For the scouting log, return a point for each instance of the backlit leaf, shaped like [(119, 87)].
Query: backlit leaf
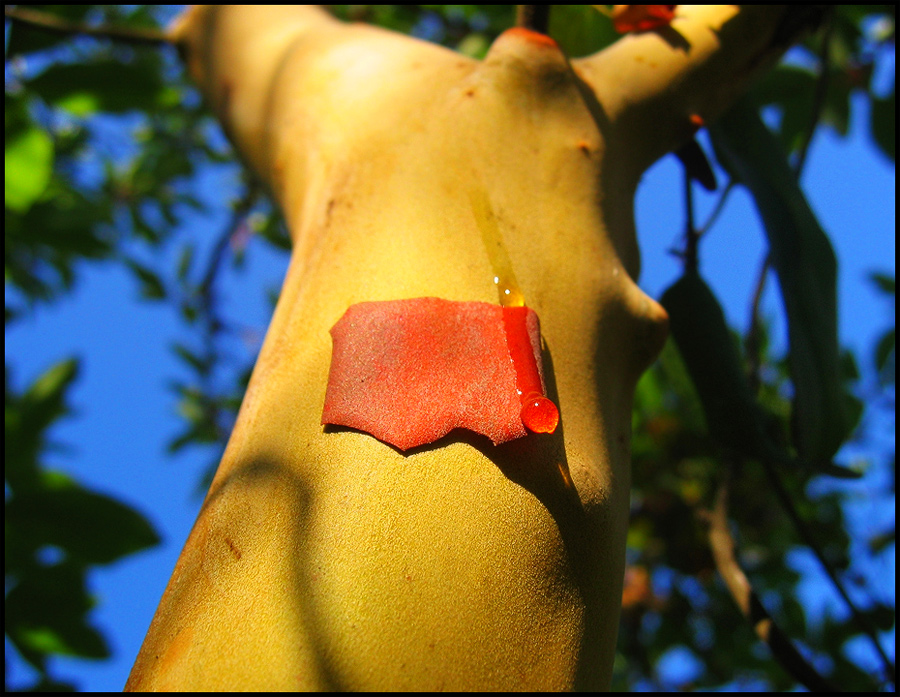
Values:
[(28, 164), (804, 261)]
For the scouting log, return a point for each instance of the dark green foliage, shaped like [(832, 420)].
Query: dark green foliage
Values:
[(55, 531), (801, 255), (710, 353), (78, 191)]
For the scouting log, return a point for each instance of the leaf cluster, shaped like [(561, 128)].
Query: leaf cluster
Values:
[(55, 532), (99, 144), (105, 143), (710, 412)]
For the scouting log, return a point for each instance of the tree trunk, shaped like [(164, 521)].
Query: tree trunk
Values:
[(325, 559)]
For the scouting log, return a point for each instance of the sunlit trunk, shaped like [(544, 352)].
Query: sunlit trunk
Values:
[(324, 558)]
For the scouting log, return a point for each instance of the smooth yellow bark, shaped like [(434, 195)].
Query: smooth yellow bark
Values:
[(329, 560)]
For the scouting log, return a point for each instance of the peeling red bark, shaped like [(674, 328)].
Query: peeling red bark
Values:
[(410, 371)]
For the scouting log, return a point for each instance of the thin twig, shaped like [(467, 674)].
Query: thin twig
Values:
[(534, 17), (783, 650), (810, 541), (717, 210), (695, 162), (58, 25), (241, 208), (692, 239), (208, 301)]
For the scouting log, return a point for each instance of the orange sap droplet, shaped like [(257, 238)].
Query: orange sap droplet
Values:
[(538, 414)]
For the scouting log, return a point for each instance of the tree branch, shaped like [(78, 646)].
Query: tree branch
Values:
[(697, 67), (718, 208), (534, 17), (783, 650), (692, 239), (809, 540), (54, 24)]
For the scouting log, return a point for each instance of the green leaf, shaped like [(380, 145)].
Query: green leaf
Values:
[(90, 528), (836, 109), (51, 385), (881, 541), (201, 431), (28, 416), (46, 613), (45, 399), (43, 244), (885, 356), (474, 45), (581, 30), (151, 285), (28, 166), (709, 352), (805, 263), (882, 616), (271, 228), (103, 85), (185, 260), (789, 88), (839, 472), (886, 284), (200, 364)]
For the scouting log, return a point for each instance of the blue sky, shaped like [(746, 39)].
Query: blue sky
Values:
[(124, 412)]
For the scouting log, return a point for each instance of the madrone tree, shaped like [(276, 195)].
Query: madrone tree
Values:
[(429, 557)]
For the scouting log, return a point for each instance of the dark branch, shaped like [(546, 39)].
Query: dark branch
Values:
[(783, 650), (534, 17), (692, 239), (718, 208), (58, 25), (803, 529)]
